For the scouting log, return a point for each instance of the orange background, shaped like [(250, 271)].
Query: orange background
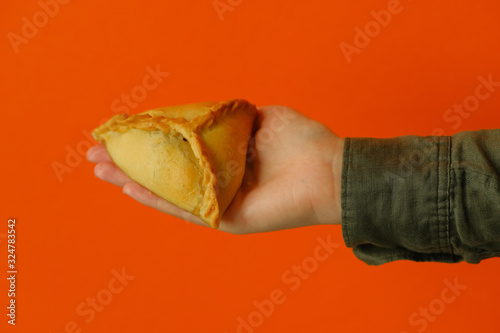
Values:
[(72, 232)]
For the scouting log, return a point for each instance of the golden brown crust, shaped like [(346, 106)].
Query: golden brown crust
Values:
[(205, 142)]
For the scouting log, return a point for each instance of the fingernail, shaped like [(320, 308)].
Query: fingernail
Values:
[(127, 189)]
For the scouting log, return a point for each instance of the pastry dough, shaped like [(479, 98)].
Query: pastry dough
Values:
[(191, 155)]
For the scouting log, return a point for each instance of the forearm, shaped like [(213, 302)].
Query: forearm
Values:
[(422, 198), (327, 197)]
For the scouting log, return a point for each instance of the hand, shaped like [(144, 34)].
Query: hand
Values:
[(292, 176)]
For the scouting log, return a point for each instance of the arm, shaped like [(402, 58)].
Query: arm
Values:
[(422, 198), (415, 198)]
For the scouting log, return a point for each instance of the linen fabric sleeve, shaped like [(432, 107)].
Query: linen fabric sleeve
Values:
[(434, 198)]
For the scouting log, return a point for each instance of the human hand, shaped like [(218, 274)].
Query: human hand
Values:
[(292, 176)]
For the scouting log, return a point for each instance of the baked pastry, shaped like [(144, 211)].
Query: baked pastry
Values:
[(191, 155)]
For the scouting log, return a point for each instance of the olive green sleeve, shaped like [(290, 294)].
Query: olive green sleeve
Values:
[(434, 198)]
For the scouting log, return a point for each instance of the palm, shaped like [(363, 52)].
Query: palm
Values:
[(288, 179)]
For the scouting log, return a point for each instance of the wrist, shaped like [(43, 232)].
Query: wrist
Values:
[(337, 165), (327, 206)]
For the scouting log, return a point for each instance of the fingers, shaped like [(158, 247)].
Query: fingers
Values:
[(110, 173), (105, 168), (147, 198), (98, 154)]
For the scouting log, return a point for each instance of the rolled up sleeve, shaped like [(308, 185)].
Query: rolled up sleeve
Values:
[(434, 198)]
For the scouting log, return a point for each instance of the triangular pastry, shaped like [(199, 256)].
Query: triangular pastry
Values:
[(191, 155)]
